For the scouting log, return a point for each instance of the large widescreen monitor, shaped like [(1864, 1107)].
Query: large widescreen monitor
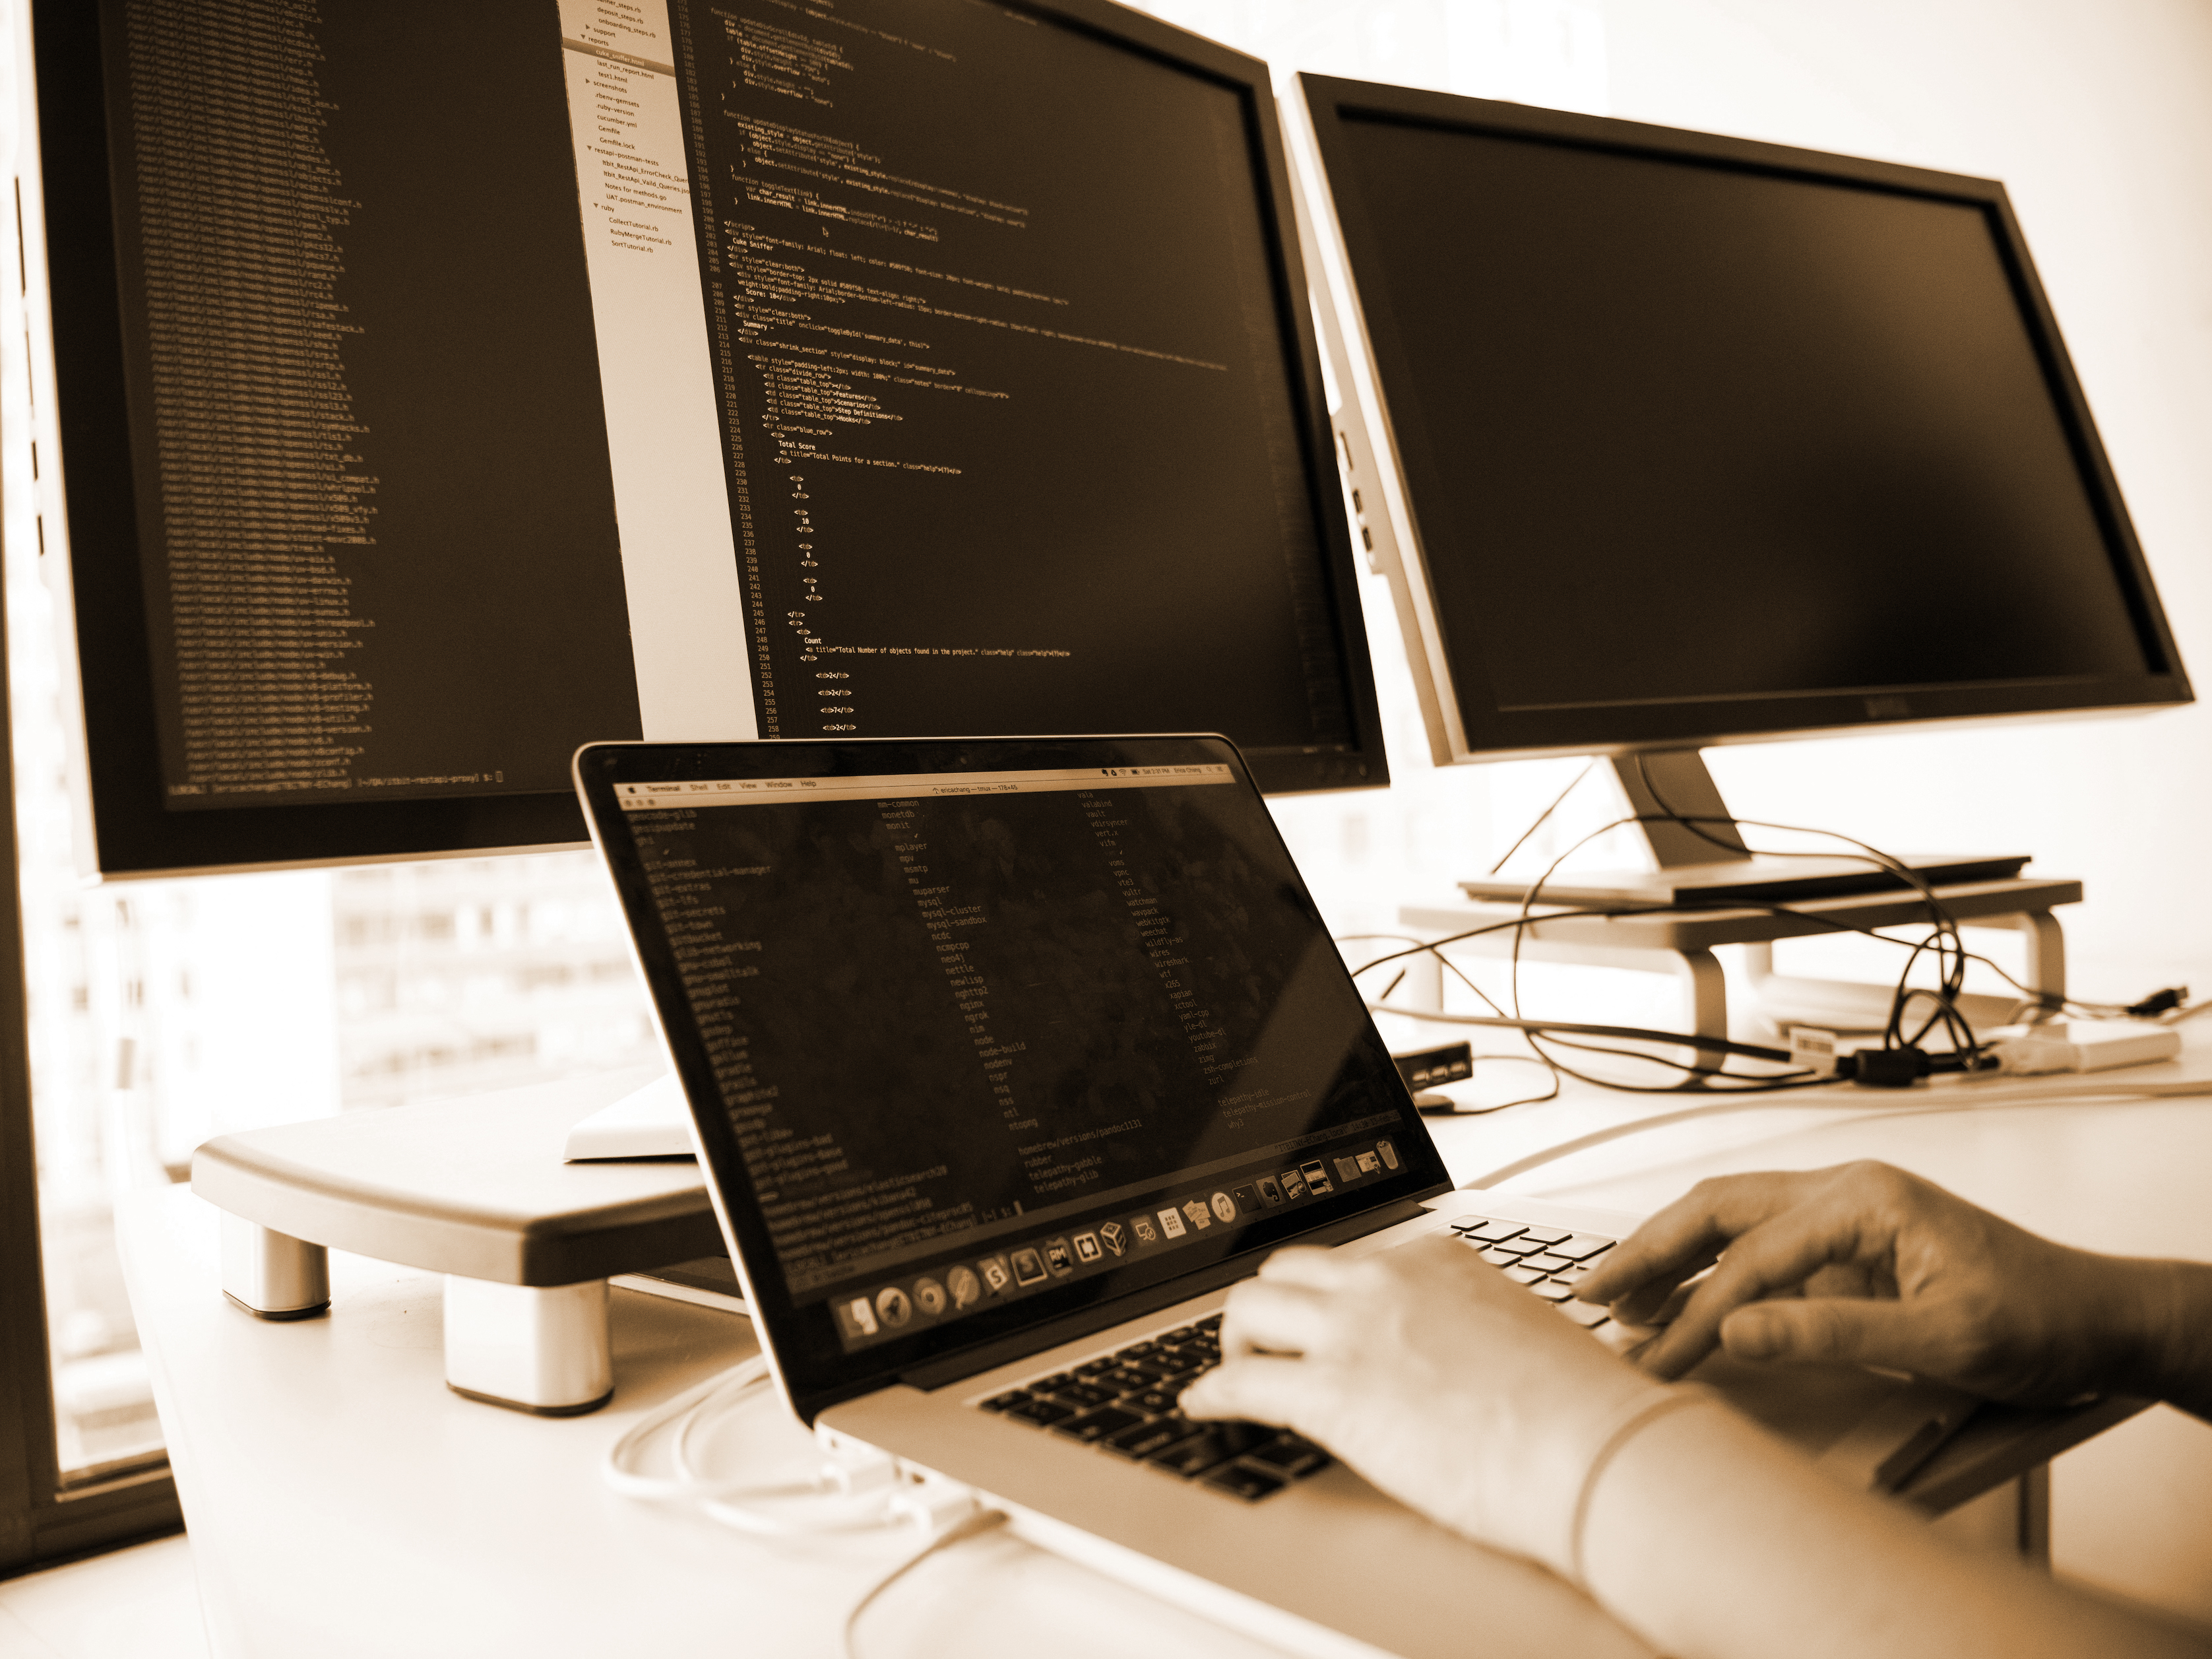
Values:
[(1686, 440), (424, 390)]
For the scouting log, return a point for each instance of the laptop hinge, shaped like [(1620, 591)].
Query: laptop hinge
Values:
[(958, 1368)]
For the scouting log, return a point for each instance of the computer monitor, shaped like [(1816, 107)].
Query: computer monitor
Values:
[(423, 391), (1680, 440)]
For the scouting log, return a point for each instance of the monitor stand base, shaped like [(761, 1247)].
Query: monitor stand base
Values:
[(1703, 863)]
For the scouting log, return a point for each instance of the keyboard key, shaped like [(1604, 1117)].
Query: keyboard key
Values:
[(1583, 1246), (1141, 1440), (1489, 1232), (1154, 1401), (1241, 1480), (1083, 1394), (1548, 1235), (1096, 1425), (1546, 1262), (1121, 1379), (1520, 1247), (1211, 1322), (1585, 1315), (1188, 1457), (1042, 1413), (1550, 1292), (1045, 1384), (1290, 1454), (1091, 1367), (1498, 1258), (1001, 1402), (1214, 1444), (1154, 1365), (1521, 1275)]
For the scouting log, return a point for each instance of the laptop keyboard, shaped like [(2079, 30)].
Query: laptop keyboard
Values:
[(1550, 1261), (1125, 1401)]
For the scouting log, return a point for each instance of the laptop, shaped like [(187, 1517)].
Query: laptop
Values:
[(1007, 1058)]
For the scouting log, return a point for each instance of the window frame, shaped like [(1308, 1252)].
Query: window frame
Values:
[(43, 1520)]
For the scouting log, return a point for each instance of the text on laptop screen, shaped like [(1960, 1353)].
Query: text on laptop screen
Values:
[(978, 1034)]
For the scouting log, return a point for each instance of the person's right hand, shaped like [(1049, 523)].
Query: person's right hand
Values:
[(1868, 1264)]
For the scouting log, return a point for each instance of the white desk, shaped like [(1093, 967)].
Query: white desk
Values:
[(342, 1501)]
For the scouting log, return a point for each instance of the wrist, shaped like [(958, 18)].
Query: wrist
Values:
[(2166, 1346), (1631, 1420)]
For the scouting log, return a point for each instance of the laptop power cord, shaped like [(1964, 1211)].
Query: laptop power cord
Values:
[(855, 1489)]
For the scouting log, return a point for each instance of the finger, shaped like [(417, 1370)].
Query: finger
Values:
[(1259, 1388), (1848, 1330), (1636, 1309), (1692, 1232), (1776, 1256), (1268, 1316), (1658, 1300)]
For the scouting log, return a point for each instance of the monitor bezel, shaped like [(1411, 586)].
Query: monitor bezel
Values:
[(89, 535), (1462, 717)]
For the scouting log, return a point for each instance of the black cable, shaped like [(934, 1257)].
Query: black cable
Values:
[(1951, 964), (1944, 942), (1543, 1031), (1543, 817), (1628, 1033), (1952, 972), (1536, 1060)]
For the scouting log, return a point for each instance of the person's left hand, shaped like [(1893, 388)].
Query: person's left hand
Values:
[(1432, 1374)]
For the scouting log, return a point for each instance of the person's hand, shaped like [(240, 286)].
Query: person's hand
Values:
[(1868, 1264), (1432, 1374)]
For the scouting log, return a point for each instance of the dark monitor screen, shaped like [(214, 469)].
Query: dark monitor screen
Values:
[(1703, 439), (441, 387)]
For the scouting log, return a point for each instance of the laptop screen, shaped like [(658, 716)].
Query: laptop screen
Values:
[(980, 1034)]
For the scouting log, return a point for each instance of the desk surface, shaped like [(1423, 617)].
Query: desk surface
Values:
[(342, 1501)]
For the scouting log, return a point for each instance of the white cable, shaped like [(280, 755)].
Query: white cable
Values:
[(1972, 1097), (860, 1492), (982, 1522), (618, 1467)]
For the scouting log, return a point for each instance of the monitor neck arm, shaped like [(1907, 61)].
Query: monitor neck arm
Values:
[(1662, 782)]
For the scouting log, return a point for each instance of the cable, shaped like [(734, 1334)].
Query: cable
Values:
[(1538, 1060), (1622, 1131), (982, 1522), (616, 1467), (2169, 1013), (1951, 972), (1943, 941), (862, 1494), (1543, 817), (1633, 1034), (1979, 1102)]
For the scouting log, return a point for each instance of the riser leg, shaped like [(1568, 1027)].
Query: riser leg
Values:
[(272, 1275), (542, 1350)]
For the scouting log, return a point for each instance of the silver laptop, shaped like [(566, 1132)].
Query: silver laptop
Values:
[(1007, 1058)]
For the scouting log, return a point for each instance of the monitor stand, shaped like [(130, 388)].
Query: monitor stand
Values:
[(1704, 864)]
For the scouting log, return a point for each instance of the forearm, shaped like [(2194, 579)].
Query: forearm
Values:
[(1713, 1540), (2170, 1311)]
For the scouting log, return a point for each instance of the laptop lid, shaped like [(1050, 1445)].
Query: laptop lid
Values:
[(982, 1035)]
